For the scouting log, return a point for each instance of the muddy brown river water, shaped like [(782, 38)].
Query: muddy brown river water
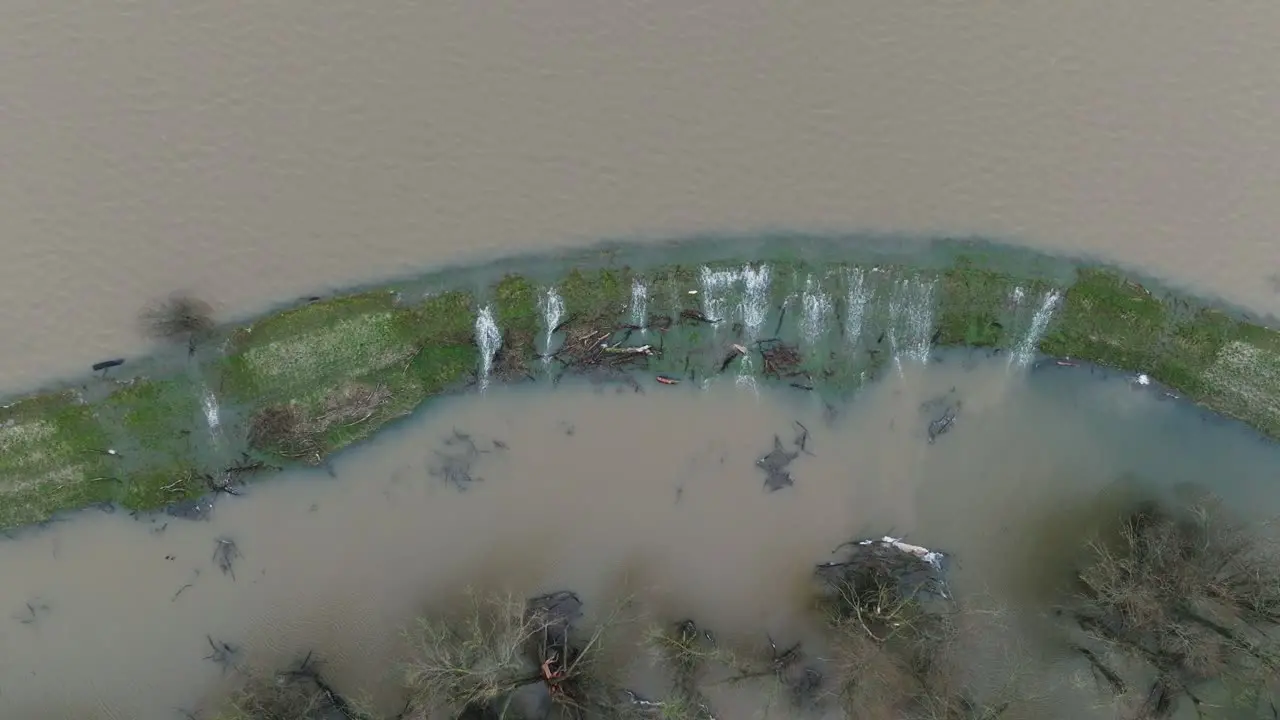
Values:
[(252, 155), (655, 495)]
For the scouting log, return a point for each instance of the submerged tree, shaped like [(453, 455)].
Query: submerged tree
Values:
[(1191, 595), (693, 658), (299, 694), (895, 640), (178, 318), (513, 659)]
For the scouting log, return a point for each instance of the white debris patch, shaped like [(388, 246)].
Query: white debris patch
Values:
[(1246, 379), (932, 557)]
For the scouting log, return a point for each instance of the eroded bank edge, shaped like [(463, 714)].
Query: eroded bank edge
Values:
[(297, 385)]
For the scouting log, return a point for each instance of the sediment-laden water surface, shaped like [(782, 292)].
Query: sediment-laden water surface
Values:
[(253, 154), (657, 494)]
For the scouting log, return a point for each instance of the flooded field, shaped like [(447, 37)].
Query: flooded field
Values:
[(658, 495)]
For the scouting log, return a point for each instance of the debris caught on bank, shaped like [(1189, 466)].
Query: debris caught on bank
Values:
[(780, 359), (874, 566), (735, 351), (596, 351), (299, 433), (696, 316)]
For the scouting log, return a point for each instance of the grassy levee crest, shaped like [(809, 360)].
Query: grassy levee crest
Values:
[(820, 315)]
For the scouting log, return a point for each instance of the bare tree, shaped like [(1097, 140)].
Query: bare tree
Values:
[(179, 318)]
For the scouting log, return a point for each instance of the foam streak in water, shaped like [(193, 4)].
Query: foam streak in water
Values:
[(489, 339), (1025, 351), (552, 312), (639, 305)]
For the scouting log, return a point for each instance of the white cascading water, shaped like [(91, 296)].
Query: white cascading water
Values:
[(1024, 352), (552, 306), (816, 310), (859, 296), (639, 315), (754, 309), (212, 416), (911, 320), (489, 339), (713, 289)]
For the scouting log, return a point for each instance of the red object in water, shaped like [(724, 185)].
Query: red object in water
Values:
[(667, 381)]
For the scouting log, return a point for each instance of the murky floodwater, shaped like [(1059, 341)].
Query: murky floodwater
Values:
[(252, 154), (603, 491)]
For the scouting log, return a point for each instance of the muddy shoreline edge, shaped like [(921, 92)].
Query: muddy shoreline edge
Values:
[(820, 315)]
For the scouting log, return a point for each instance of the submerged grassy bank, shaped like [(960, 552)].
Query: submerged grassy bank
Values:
[(299, 384)]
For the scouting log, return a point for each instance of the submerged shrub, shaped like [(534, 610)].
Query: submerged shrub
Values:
[(895, 641), (179, 317), (511, 658), (287, 696), (1188, 593)]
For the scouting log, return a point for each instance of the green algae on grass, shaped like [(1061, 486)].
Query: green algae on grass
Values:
[(1190, 348), (322, 376), (971, 306), (312, 379), (158, 488), (1244, 380), (515, 305), (1109, 320), (152, 413), (297, 350), (597, 296), (52, 459), (442, 330), (515, 309)]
